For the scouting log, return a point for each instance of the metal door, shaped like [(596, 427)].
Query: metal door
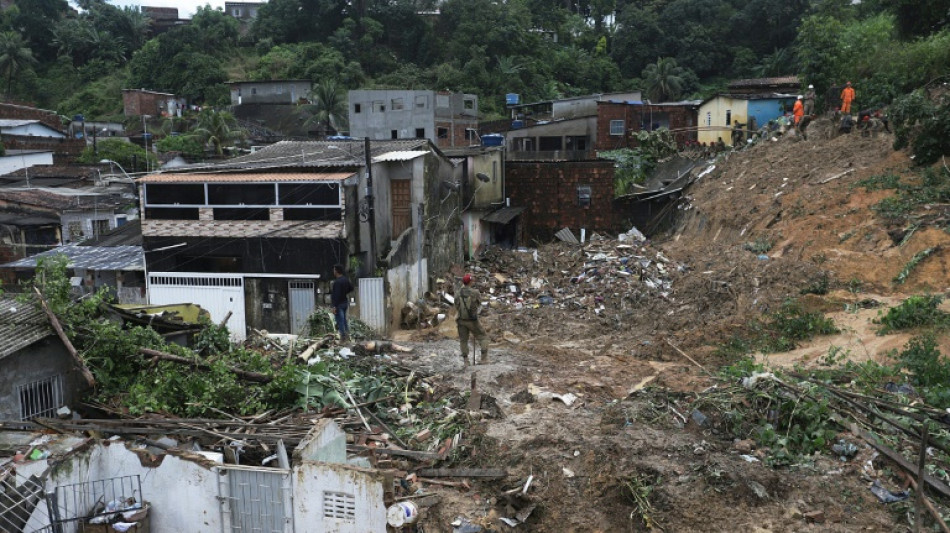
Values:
[(372, 300), (302, 304), (256, 500), (218, 293)]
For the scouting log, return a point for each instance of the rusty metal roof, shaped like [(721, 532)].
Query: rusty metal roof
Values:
[(244, 177), (242, 229)]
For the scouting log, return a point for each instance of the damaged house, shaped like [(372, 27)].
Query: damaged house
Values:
[(255, 238), (178, 483)]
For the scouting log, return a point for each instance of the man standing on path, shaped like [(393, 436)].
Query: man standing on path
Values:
[(340, 288), (467, 303), (810, 101), (847, 96)]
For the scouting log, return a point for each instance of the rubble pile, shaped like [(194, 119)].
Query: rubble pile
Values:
[(603, 275)]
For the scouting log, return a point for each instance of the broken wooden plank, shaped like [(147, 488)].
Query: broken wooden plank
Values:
[(895, 456), (463, 472), (422, 456)]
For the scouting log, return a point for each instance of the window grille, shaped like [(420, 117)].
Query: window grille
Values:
[(41, 398), (616, 127)]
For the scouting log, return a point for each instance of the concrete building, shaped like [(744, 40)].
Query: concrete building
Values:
[(447, 119), (481, 172), (15, 160), (718, 115), (37, 370), (618, 122), (257, 236), (287, 92), (243, 11), (566, 108)]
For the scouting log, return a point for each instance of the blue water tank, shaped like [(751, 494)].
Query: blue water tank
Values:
[(493, 139), (517, 124), (512, 99)]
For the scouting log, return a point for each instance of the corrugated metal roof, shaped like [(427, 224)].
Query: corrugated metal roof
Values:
[(242, 229), (12, 122), (21, 324), (244, 177), (128, 234), (399, 156), (503, 215), (126, 258)]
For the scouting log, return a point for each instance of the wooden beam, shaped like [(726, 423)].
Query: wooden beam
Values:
[(463, 472), (80, 364), (908, 467)]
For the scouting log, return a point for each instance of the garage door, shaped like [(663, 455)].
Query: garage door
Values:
[(218, 293)]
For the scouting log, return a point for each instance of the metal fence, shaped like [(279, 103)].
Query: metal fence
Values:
[(79, 502), (373, 303), (19, 498)]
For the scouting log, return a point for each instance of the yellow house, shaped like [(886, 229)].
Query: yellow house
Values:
[(718, 114)]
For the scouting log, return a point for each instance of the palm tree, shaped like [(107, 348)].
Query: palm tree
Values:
[(218, 128), (15, 55), (328, 107), (663, 79)]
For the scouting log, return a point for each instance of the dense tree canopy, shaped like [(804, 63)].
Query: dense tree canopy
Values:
[(540, 49)]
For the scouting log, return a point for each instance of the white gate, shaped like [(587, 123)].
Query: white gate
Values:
[(373, 303), (218, 293), (302, 302)]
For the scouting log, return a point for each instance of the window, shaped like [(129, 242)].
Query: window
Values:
[(396, 104), (728, 117), (174, 194), (99, 227), (379, 106), (41, 398), (253, 90), (420, 133), (616, 127), (583, 195), (469, 104), (471, 134), (422, 101), (550, 144), (241, 194), (443, 133), (75, 230), (339, 505), (356, 108), (237, 13), (709, 118), (394, 134)]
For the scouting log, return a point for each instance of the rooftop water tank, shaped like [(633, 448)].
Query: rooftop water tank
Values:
[(512, 99), (493, 139)]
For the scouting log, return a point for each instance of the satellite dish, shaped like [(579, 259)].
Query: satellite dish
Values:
[(483, 177)]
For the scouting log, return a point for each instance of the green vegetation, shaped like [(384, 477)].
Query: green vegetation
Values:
[(933, 186), (782, 331), (905, 272), (914, 312), (130, 156), (878, 182)]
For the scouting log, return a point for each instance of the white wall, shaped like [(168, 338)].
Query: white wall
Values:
[(364, 485), (12, 163), (183, 493)]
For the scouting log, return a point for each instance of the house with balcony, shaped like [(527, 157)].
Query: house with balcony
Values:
[(255, 238)]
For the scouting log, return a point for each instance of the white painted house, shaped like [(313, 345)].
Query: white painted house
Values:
[(15, 160), (28, 128)]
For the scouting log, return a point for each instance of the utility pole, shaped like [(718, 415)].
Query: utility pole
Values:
[(370, 204)]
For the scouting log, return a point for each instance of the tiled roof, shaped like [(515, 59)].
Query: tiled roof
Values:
[(244, 177), (128, 234), (242, 229), (21, 324), (59, 198), (310, 154), (126, 258)]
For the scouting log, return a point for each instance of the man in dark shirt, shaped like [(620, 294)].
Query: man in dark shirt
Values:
[(339, 289)]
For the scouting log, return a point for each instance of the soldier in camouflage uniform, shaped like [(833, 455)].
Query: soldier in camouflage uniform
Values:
[(467, 303)]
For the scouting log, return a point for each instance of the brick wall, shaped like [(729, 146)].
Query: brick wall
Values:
[(549, 191), (681, 117), (21, 112), (456, 137), (137, 103)]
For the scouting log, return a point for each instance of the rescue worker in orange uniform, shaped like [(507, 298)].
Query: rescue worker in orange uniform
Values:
[(847, 96), (799, 110)]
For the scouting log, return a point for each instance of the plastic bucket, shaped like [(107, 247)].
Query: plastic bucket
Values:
[(402, 514)]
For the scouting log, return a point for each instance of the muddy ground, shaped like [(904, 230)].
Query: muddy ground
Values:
[(627, 359)]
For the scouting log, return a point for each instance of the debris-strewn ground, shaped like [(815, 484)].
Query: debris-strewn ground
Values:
[(632, 329)]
